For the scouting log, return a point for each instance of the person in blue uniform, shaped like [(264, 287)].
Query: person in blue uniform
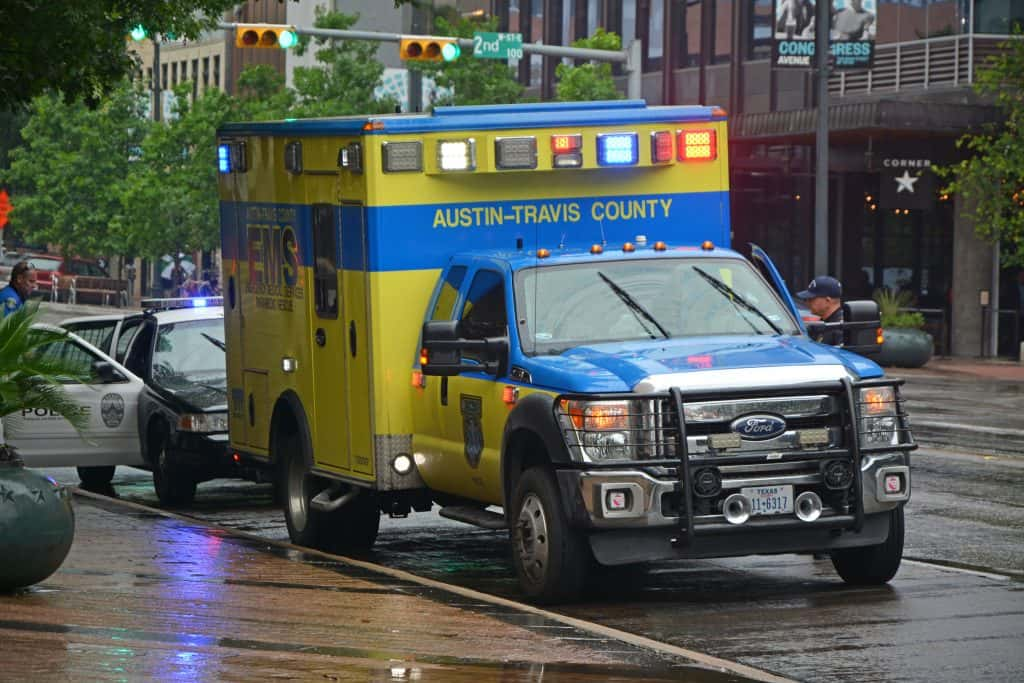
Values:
[(824, 297), (16, 293)]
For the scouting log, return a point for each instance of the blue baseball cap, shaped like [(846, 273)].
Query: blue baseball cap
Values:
[(823, 285)]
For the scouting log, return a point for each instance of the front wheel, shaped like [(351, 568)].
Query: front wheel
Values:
[(174, 487), (305, 525), (873, 565), (551, 558), (97, 476)]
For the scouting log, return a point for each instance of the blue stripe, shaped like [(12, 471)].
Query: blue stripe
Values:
[(353, 237)]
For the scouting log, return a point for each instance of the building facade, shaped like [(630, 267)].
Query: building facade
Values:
[(889, 124)]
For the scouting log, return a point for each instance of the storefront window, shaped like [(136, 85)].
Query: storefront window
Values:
[(759, 40), (997, 16), (721, 52), (691, 33), (656, 34)]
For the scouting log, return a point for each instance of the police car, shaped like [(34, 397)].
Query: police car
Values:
[(162, 405)]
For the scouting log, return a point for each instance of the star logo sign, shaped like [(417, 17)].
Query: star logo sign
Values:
[(905, 183)]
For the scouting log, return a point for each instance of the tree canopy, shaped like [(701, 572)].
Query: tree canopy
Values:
[(991, 177), (593, 80)]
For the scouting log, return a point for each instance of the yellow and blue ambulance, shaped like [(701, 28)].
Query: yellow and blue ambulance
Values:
[(529, 315)]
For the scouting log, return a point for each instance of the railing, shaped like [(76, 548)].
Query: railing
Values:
[(948, 61)]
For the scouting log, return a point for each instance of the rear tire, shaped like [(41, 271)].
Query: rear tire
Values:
[(551, 558), (97, 476), (875, 564), (174, 488)]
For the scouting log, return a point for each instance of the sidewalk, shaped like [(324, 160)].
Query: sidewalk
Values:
[(146, 595), (994, 369)]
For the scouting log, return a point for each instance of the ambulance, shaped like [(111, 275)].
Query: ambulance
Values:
[(529, 315)]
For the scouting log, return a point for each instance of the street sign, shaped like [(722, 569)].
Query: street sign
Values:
[(498, 45)]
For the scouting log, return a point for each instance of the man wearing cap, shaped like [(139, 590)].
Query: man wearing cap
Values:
[(824, 298), (23, 283)]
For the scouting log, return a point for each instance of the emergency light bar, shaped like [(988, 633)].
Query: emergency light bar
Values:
[(697, 145), (567, 151), (224, 158), (456, 155), (661, 147), (402, 156), (617, 149), (515, 152), (176, 303)]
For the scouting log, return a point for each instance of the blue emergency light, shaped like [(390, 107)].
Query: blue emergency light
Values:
[(618, 149), (224, 158)]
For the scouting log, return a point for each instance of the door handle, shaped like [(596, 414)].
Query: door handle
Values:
[(252, 411), (320, 336), (352, 336)]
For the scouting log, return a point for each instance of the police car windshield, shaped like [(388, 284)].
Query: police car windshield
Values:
[(186, 357), (565, 306)]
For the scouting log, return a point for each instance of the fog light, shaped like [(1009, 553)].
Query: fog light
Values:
[(618, 500), (707, 482), (402, 463)]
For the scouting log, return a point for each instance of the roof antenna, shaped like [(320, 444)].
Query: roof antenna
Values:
[(600, 224), (561, 243)]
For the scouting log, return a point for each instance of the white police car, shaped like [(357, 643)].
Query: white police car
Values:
[(174, 350)]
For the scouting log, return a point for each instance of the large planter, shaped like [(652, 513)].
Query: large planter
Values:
[(37, 525), (905, 348)]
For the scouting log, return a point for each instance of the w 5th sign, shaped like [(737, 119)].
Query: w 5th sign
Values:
[(498, 45)]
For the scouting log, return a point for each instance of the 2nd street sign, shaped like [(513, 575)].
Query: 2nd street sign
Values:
[(498, 45)]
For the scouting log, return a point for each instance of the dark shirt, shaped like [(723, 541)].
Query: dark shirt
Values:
[(832, 337)]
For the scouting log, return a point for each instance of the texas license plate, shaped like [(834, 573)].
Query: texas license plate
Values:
[(770, 500)]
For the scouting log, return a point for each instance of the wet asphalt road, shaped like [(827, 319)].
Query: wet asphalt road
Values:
[(942, 618)]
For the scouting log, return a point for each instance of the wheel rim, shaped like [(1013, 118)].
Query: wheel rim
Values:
[(297, 498), (532, 537)]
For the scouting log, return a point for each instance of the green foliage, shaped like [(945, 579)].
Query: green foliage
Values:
[(262, 95), (991, 178), (30, 378), (469, 79), (593, 80), (348, 74), (68, 175), (77, 48), (170, 200), (890, 306)]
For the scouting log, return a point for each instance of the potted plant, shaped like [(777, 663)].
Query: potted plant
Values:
[(906, 343), (37, 523)]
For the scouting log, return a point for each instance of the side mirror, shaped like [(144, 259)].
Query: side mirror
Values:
[(106, 373), (862, 327), (443, 346)]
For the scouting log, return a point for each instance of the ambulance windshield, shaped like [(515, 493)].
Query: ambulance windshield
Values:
[(561, 307)]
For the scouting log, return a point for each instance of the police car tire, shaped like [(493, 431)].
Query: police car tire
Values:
[(561, 575), (96, 476), (876, 564), (173, 487)]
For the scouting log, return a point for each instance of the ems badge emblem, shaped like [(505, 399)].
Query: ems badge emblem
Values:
[(112, 410), (472, 429)]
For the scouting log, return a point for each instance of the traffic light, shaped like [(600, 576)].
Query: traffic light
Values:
[(139, 32), (429, 49), (265, 35)]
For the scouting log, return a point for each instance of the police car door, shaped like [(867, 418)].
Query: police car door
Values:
[(110, 397)]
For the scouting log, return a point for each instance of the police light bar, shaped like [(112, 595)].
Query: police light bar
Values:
[(515, 152), (224, 158), (567, 151), (617, 149), (175, 303), (456, 155), (697, 145)]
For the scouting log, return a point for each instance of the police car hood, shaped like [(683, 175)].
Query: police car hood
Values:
[(699, 363), (197, 394)]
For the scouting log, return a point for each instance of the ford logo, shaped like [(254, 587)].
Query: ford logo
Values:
[(758, 427)]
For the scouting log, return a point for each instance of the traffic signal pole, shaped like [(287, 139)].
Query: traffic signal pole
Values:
[(630, 58)]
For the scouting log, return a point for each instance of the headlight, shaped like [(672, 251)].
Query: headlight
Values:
[(602, 430), (203, 423), (879, 422)]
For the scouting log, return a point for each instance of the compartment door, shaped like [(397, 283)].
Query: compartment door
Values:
[(355, 284)]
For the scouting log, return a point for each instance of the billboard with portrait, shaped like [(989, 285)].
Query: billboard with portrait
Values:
[(851, 33)]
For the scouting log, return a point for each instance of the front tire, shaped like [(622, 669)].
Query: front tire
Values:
[(551, 558), (96, 477), (875, 564), (173, 486)]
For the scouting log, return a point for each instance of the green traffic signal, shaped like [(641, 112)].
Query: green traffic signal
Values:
[(450, 51), (287, 39), (139, 32)]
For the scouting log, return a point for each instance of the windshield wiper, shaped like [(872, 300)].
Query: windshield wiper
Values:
[(216, 342), (635, 307), (737, 299)]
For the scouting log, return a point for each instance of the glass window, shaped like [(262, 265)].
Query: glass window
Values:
[(98, 333), (997, 16), (593, 16), (128, 331), (656, 34), (483, 314), (444, 306), (325, 243), (70, 354), (536, 36), (759, 40), (189, 356), (562, 307), (721, 52), (691, 32)]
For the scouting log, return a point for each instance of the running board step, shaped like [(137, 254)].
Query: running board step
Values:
[(475, 516)]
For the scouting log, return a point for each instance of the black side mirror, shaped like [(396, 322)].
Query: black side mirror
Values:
[(862, 327), (106, 373), (443, 346)]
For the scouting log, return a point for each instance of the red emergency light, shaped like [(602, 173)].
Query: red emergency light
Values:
[(698, 145)]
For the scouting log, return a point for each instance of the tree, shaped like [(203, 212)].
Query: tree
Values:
[(470, 80), (349, 74), (590, 81), (170, 199), (78, 48), (70, 171), (991, 177), (262, 95)]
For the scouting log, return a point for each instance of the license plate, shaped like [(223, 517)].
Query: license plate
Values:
[(770, 500)]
